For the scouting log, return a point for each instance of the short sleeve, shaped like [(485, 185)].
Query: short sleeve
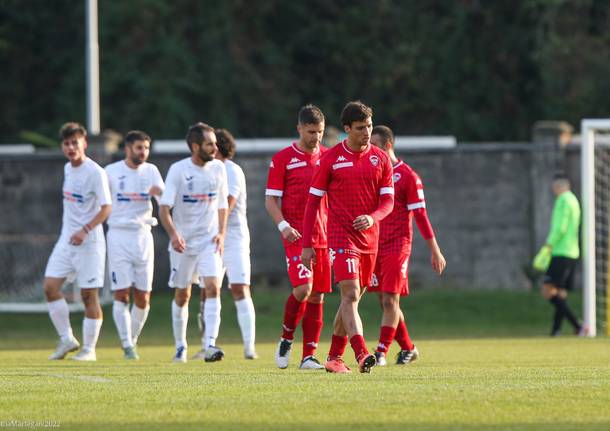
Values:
[(386, 185), (415, 192), (275, 178), (171, 187), (321, 178), (223, 189), (102, 188)]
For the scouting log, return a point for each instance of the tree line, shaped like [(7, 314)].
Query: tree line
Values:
[(479, 70)]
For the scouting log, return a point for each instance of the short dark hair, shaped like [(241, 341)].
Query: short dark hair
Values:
[(310, 114), (195, 133), (225, 143), (561, 176), (355, 111), (71, 128), (136, 135), (385, 132)]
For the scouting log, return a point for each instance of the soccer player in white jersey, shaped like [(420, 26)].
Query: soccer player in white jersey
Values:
[(131, 250), (196, 194), (236, 257), (80, 250)]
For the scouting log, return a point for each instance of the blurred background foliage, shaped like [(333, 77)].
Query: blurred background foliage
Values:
[(476, 69)]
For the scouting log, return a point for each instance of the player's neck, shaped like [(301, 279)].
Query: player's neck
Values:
[(77, 162), (197, 161), (393, 158), (131, 164), (355, 147), (302, 147)]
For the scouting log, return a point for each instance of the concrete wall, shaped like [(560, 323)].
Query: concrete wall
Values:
[(489, 205)]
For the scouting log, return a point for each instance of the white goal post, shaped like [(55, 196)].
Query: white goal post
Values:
[(588, 128)]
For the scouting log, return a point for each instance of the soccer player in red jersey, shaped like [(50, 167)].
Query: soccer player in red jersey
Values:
[(357, 177), (395, 237), (289, 178)]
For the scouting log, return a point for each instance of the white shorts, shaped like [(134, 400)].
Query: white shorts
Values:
[(131, 258), (236, 261), (85, 262), (187, 268)]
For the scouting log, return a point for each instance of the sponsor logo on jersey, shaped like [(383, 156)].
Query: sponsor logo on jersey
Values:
[(374, 160), (294, 160), (132, 197), (342, 165), (271, 164), (341, 159), (202, 197), (74, 197), (396, 177), (318, 162), (298, 164)]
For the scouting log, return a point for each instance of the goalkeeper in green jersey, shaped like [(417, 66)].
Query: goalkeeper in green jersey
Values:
[(559, 255)]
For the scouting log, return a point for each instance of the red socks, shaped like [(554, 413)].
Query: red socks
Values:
[(293, 312), (386, 337), (312, 326), (402, 336), (337, 346), (359, 346)]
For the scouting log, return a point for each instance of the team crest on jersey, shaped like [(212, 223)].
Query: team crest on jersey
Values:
[(318, 162), (396, 177), (374, 160)]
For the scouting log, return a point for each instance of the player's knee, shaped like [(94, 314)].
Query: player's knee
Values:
[(122, 295), (182, 297), (389, 302), (351, 296), (240, 291), (141, 299), (52, 292), (316, 298)]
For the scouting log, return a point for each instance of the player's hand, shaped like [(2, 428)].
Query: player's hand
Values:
[(178, 243), (290, 234), (219, 240), (308, 257), (363, 222), (155, 191), (78, 237), (438, 261)]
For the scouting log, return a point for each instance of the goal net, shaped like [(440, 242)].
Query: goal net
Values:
[(595, 178), (23, 258)]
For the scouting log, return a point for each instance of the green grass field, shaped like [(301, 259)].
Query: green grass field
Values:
[(486, 365)]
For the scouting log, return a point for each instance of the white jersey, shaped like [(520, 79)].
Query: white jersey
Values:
[(237, 223), (85, 190), (131, 205), (196, 193)]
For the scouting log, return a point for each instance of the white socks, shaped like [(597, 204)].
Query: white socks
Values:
[(211, 316), (91, 332), (180, 317), (246, 319), (138, 318), (122, 320), (60, 316)]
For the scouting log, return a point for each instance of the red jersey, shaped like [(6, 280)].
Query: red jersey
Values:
[(396, 230), (353, 181), (290, 174)]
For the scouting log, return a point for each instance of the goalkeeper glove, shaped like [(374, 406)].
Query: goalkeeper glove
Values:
[(542, 259)]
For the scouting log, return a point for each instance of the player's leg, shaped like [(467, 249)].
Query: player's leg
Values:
[(246, 317), (236, 259), (143, 279), (408, 351), (551, 294), (122, 321), (389, 322), (183, 272), (90, 264), (58, 268), (313, 318), (294, 308), (210, 269), (200, 319)]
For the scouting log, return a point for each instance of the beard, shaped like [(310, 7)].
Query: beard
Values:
[(206, 157), (137, 160)]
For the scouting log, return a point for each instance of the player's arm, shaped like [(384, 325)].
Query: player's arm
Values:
[(165, 204), (102, 194), (273, 200), (223, 210), (385, 203), (100, 217), (317, 190), (416, 203), (156, 190), (559, 223)]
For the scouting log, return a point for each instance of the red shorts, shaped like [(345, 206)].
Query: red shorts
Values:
[(391, 274), (352, 265), (298, 274)]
